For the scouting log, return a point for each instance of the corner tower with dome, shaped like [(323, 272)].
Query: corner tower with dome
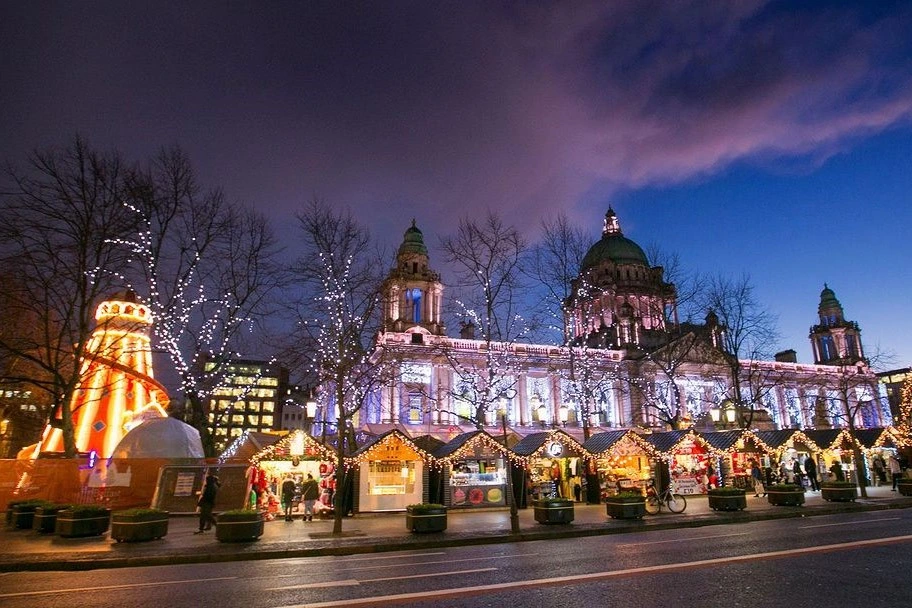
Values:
[(412, 292), (834, 340)]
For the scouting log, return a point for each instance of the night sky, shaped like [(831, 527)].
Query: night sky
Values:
[(773, 139)]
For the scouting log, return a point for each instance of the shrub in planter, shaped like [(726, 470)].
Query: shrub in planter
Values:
[(20, 514), (553, 510), (626, 505), (785, 495), (138, 524), (45, 520), (727, 499), (905, 487), (426, 517), (82, 520), (238, 525), (838, 491)]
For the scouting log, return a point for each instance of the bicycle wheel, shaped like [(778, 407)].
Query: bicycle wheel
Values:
[(652, 505), (676, 503)]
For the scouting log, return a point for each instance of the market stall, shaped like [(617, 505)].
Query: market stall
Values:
[(297, 454), (788, 446), (554, 463), (622, 460), (689, 457), (878, 446), (738, 447), (474, 471), (391, 473)]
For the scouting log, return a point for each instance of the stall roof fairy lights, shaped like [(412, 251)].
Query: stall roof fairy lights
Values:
[(469, 444), (533, 445), (608, 441), (373, 450), (667, 443), (827, 439), (296, 443), (249, 444), (778, 440), (735, 440)]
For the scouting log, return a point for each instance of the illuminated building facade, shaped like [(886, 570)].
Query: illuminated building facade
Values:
[(250, 397), (117, 388), (621, 312)]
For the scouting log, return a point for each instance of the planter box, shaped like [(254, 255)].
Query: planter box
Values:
[(905, 487), (838, 494), (790, 498), (22, 517), (239, 530), (70, 525), (426, 520), (727, 502), (626, 508), (553, 512), (125, 528), (45, 520)]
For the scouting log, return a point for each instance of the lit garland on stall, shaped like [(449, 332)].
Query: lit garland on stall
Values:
[(384, 442), (482, 441), (282, 449), (904, 428)]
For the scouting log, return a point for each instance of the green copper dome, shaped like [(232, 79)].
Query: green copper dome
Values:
[(413, 241), (613, 246), (828, 298)]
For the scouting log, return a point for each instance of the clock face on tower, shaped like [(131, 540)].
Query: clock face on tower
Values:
[(554, 449)]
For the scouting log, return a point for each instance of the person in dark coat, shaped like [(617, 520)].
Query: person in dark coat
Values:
[(836, 470), (796, 471), (310, 492), (810, 467), (207, 501), (288, 493)]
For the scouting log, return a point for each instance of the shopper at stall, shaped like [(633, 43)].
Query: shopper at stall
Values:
[(757, 477), (836, 471), (895, 470), (797, 472), (810, 467), (880, 469), (288, 492), (310, 492)]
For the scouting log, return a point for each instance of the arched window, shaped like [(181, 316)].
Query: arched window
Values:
[(413, 302)]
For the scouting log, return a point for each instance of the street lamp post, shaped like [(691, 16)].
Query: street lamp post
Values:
[(310, 412)]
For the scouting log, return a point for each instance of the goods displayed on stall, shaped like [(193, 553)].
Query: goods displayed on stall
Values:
[(738, 447), (475, 472), (690, 458), (556, 465), (293, 456), (622, 461)]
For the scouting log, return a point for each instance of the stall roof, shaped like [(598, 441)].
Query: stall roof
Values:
[(286, 448), (775, 439), (603, 442), (454, 449), (428, 443), (876, 437), (723, 440), (667, 442), (392, 435), (532, 444), (825, 439), (248, 445)]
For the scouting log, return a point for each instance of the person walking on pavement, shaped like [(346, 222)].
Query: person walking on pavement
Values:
[(207, 501), (810, 467), (757, 476), (288, 492), (309, 494), (895, 470)]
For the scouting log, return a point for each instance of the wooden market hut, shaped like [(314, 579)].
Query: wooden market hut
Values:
[(738, 447), (788, 444), (549, 463), (688, 456), (391, 472), (622, 460), (472, 471)]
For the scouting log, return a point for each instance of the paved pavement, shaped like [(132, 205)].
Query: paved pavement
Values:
[(366, 533)]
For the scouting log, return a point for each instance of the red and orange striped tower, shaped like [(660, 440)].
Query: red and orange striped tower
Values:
[(118, 390)]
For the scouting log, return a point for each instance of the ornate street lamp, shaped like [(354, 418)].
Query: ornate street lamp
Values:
[(563, 413)]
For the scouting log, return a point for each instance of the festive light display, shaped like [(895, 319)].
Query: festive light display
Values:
[(295, 443), (390, 440), (117, 389)]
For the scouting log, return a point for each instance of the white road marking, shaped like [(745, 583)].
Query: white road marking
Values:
[(355, 582), (850, 523), (124, 586), (677, 540), (311, 560), (594, 576), (443, 561)]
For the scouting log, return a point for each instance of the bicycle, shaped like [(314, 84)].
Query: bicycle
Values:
[(676, 503)]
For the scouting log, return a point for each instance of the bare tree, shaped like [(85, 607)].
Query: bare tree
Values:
[(748, 336), (341, 276), (208, 269), (61, 216), (487, 257)]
